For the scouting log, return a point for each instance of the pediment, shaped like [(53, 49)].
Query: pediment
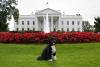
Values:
[(49, 11)]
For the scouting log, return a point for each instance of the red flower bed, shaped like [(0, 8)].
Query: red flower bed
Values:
[(40, 37), (6, 37), (98, 37)]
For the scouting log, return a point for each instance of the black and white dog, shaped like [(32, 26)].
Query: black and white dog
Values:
[(49, 53)]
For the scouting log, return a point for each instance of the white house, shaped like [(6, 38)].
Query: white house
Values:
[(57, 21)]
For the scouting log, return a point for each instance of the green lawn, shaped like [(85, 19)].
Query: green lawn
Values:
[(68, 55)]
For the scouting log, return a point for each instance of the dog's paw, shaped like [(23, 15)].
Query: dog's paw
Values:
[(50, 60), (54, 58)]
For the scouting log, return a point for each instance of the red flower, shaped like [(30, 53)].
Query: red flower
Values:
[(41, 37)]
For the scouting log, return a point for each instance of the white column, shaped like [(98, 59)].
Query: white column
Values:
[(36, 23), (43, 22), (59, 23), (52, 23)]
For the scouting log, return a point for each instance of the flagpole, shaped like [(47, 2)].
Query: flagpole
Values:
[(47, 5)]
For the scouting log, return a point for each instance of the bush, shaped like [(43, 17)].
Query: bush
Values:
[(40, 37)]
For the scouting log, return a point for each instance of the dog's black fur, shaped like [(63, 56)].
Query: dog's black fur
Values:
[(47, 52)]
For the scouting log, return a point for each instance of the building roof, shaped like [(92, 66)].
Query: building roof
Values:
[(47, 10)]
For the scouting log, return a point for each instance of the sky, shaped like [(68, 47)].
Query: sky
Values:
[(89, 9)]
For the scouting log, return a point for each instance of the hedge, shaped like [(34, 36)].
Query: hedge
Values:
[(40, 37)]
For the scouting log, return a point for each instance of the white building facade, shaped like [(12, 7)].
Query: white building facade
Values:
[(57, 21)]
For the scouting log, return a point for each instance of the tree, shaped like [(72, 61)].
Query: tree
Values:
[(97, 24), (16, 15), (86, 26), (7, 9), (3, 24)]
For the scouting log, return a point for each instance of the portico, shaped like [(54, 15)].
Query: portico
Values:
[(53, 19)]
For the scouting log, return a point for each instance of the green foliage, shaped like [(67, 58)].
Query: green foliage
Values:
[(16, 15), (9, 9), (3, 20), (97, 24), (68, 55), (86, 26)]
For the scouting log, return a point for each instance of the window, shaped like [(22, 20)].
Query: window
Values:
[(83, 23), (22, 22), (62, 30), (62, 22), (33, 29), (17, 29), (72, 22), (78, 29), (67, 29), (73, 30), (41, 29), (27, 22), (54, 29), (33, 22), (54, 23), (78, 22), (16, 23), (28, 29), (41, 23), (67, 22), (22, 29)]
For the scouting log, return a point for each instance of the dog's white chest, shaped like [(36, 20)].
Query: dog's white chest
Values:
[(53, 49)]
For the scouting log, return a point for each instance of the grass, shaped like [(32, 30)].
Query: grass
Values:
[(68, 55)]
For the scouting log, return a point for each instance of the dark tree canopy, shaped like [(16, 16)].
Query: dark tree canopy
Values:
[(3, 24), (97, 24), (6, 11), (16, 15), (86, 26)]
